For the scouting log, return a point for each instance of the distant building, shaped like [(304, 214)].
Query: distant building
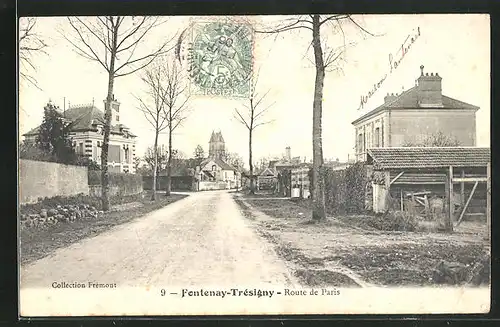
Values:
[(414, 115), (215, 169), (216, 146), (87, 129), (267, 179)]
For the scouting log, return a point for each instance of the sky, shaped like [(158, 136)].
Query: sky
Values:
[(456, 46)]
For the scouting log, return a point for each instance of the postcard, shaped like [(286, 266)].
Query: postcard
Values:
[(254, 165)]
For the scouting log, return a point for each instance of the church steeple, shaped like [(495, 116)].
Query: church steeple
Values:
[(216, 145)]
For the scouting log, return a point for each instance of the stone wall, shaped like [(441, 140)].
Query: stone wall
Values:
[(39, 179), (212, 186)]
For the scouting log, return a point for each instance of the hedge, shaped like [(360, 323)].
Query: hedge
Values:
[(126, 182), (178, 183), (345, 190)]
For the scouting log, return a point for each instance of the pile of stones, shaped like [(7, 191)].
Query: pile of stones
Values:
[(65, 213)]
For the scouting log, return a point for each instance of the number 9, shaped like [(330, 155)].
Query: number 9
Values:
[(163, 292)]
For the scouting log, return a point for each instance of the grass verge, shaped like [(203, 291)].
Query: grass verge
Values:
[(364, 246), (38, 243)]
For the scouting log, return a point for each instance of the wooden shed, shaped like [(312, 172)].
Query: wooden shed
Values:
[(418, 178)]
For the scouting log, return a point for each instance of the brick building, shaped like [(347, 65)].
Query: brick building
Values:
[(87, 126), (414, 115)]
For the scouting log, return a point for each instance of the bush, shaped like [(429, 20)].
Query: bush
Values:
[(47, 203), (396, 221), (391, 221), (345, 190), (31, 152), (94, 177)]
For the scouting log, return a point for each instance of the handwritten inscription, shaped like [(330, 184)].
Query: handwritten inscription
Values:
[(394, 63)]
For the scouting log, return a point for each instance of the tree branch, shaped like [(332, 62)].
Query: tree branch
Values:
[(241, 119)]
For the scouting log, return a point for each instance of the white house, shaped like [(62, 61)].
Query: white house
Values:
[(214, 172), (86, 126)]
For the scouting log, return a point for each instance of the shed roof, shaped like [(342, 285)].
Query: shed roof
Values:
[(428, 157)]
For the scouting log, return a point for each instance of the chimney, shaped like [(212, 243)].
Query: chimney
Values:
[(389, 98), (115, 110), (288, 154), (429, 90)]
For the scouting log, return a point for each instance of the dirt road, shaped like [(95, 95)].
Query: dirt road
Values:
[(201, 240)]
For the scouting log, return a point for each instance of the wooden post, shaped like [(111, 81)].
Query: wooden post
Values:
[(464, 207), (412, 205), (462, 188), (488, 200), (448, 220), (427, 207), (387, 182), (402, 201)]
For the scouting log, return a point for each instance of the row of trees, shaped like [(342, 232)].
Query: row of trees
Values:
[(164, 105), (180, 161), (112, 43)]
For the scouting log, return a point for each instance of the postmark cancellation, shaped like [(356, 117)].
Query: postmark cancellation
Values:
[(220, 58)]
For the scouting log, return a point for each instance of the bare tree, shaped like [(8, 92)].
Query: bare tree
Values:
[(156, 159), (30, 44), (176, 99), (438, 139), (112, 42), (234, 159), (137, 164), (152, 106), (326, 58), (263, 163), (253, 117), (199, 153)]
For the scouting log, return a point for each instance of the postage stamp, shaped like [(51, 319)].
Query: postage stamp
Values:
[(221, 59), (172, 192)]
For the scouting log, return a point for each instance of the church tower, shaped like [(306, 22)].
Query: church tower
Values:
[(216, 146)]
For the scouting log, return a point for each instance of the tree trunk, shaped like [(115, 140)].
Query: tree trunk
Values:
[(107, 127), (252, 179), (169, 163), (318, 192), (155, 168)]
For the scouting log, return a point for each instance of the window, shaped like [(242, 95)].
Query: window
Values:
[(213, 168), (126, 155), (80, 148), (117, 118), (360, 142), (377, 137)]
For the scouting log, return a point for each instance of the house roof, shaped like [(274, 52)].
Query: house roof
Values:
[(207, 173), (428, 157), (409, 99), (85, 118), (268, 172), (219, 162)]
